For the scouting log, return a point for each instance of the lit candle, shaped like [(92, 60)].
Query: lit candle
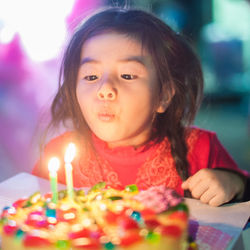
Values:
[(68, 158), (53, 168)]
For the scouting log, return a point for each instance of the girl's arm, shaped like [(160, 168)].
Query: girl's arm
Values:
[(214, 176), (216, 186)]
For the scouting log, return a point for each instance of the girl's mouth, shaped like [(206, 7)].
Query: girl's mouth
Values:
[(106, 117)]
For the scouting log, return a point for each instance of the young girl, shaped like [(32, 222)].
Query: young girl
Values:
[(131, 87)]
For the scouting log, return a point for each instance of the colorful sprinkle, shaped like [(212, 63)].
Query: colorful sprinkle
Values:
[(136, 216), (19, 234), (35, 241), (181, 207), (20, 203), (114, 198), (152, 223), (98, 186), (35, 197), (50, 212), (109, 246), (130, 238), (61, 244), (10, 228), (153, 237), (171, 230), (132, 188)]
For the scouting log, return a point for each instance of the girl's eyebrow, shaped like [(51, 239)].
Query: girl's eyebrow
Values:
[(88, 60), (139, 59)]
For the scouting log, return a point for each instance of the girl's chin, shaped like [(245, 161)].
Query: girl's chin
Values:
[(114, 141), (115, 138), (120, 142)]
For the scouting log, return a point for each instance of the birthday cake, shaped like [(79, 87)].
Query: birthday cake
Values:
[(102, 218)]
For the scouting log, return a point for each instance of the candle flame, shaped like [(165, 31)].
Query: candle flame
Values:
[(54, 164), (70, 153)]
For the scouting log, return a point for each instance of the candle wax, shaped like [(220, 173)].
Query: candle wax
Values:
[(53, 183), (69, 180)]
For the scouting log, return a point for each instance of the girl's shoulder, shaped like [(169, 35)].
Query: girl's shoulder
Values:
[(198, 132), (66, 136), (56, 147), (60, 138), (196, 135), (59, 143)]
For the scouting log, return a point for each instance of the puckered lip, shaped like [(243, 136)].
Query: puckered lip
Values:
[(106, 116)]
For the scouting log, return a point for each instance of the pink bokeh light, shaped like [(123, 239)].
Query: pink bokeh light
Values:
[(26, 90)]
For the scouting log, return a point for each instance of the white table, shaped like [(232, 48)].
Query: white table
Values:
[(228, 220)]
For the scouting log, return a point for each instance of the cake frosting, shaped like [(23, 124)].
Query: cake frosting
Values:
[(102, 218)]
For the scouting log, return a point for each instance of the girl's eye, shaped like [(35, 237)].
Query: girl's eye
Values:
[(128, 76), (90, 78)]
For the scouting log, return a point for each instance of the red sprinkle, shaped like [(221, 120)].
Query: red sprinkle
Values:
[(20, 202), (37, 219), (84, 233), (178, 215), (4, 213), (111, 217), (35, 241), (127, 223), (9, 229), (130, 238), (60, 215), (171, 230), (48, 195), (148, 213), (152, 223)]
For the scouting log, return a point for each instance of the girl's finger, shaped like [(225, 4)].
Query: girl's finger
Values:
[(201, 175), (216, 201), (185, 184), (193, 182), (200, 188), (207, 196)]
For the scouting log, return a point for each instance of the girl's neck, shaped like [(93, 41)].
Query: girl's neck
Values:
[(123, 145), (130, 143)]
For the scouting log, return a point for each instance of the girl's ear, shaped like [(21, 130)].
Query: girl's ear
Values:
[(162, 108), (165, 100)]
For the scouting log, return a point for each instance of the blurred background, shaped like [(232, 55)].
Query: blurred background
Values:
[(34, 33)]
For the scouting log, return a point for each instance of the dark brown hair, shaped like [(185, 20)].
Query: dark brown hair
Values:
[(177, 67)]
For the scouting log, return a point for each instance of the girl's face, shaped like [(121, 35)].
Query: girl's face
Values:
[(117, 89)]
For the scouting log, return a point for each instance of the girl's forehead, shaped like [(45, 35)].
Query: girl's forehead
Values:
[(110, 36), (113, 42)]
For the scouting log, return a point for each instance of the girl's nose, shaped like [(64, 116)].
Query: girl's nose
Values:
[(107, 92)]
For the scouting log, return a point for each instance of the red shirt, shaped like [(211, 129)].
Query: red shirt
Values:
[(145, 166)]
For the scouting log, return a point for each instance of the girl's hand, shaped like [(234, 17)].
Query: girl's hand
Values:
[(214, 186)]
